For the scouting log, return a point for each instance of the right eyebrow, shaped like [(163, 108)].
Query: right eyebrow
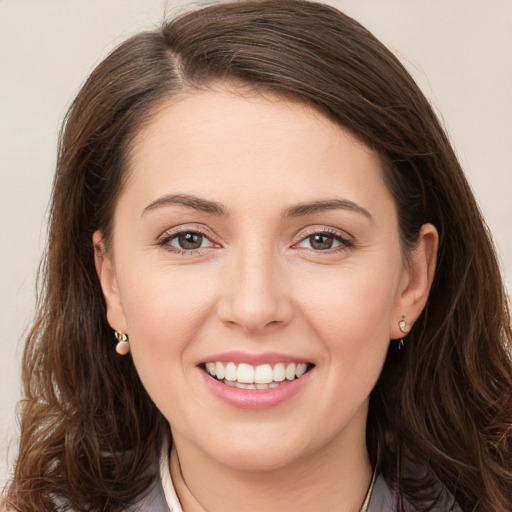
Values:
[(189, 201), (304, 209)]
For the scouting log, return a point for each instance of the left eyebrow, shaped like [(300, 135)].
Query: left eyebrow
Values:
[(189, 201), (331, 204)]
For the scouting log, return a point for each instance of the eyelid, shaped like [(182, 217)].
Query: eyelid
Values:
[(317, 229), (173, 232), (345, 238)]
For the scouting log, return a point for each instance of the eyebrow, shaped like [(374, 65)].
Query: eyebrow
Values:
[(216, 208), (331, 204), (188, 201)]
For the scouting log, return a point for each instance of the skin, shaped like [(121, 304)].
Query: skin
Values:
[(259, 284)]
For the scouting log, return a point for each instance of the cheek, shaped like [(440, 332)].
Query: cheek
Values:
[(165, 310), (357, 289), (164, 316), (351, 312)]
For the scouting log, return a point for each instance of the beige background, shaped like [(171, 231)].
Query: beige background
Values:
[(460, 52)]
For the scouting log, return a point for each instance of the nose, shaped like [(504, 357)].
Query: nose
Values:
[(255, 297)]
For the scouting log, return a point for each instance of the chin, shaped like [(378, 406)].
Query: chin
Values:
[(256, 453), (259, 460)]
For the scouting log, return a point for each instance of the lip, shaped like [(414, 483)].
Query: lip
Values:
[(255, 399), (253, 359)]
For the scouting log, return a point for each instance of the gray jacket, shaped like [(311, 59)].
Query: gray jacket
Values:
[(382, 499)]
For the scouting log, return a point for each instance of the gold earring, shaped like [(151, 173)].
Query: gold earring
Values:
[(123, 344)]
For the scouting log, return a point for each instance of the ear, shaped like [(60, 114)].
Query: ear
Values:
[(107, 277), (418, 274)]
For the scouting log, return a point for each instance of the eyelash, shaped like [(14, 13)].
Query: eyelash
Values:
[(345, 242), (166, 239)]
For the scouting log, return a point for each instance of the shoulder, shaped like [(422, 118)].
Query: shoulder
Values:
[(154, 499), (384, 499)]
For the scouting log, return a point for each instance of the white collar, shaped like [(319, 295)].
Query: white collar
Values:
[(165, 475), (172, 498)]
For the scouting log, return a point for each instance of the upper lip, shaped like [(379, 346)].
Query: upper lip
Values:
[(253, 359)]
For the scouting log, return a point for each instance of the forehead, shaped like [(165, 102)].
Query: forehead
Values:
[(214, 116), (219, 141)]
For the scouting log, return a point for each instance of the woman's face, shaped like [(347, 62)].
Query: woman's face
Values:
[(255, 241)]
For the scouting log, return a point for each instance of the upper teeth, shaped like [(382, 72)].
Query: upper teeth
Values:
[(261, 374)]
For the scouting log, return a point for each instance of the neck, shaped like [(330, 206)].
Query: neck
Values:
[(335, 479)]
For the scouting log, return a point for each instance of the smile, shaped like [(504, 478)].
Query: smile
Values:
[(263, 376)]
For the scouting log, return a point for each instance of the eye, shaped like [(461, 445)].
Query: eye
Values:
[(321, 241), (324, 241), (187, 241)]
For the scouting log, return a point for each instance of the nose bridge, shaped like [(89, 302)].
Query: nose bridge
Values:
[(255, 297)]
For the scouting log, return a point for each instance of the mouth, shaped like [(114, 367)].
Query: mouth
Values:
[(263, 376)]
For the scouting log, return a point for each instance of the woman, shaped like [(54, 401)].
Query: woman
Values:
[(268, 285)]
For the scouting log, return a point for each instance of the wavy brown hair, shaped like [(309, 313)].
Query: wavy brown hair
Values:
[(88, 428)]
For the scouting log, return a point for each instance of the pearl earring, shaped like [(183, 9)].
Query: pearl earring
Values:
[(123, 345)]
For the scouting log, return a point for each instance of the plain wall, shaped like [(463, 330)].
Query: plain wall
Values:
[(459, 51)]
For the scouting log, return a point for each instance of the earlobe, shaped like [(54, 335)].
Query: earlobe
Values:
[(107, 278), (419, 275)]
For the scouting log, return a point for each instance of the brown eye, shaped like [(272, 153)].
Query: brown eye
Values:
[(325, 241), (321, 241), (188, 241)]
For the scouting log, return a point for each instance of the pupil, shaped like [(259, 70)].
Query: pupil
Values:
[(321, 242), (190, 240)]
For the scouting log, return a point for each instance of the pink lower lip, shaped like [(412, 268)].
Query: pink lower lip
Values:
[(255, 399)]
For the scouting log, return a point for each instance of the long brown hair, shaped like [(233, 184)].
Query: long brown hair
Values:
[(90, 432)]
